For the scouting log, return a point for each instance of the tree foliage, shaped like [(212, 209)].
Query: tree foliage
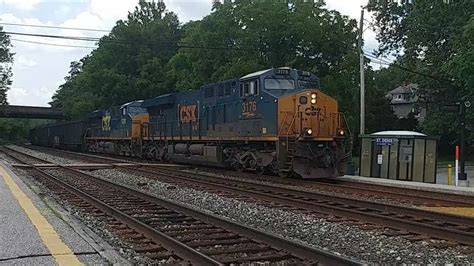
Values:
[(437, 41), (129, 64), (17, 130), (6, 58), (150, 54)]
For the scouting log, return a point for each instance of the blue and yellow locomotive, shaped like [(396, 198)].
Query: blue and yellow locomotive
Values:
[(275, 120)]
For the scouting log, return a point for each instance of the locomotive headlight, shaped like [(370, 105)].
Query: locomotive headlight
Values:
[(313, 96), (309, 131), (313, 101), (341, 132)]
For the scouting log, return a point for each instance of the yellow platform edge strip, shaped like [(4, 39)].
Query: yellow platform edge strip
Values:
[(60, 251), (463, 211)]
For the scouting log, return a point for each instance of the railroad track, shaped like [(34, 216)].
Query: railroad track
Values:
[(415, 221), (351, 188), (169, 232), (404, 195)]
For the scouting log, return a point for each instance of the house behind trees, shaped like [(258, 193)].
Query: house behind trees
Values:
[(405, 100)]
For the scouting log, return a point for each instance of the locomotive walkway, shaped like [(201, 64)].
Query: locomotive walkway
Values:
[(35, 232)]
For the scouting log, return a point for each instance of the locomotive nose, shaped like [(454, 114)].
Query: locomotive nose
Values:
[(308, 110)]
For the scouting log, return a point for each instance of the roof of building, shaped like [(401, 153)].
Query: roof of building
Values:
[(409, 88), (398, 133)]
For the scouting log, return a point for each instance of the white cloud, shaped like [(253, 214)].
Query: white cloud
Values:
[(16, 96), (189, 10), (63, 10), (350, 8), (30, 96), (22, 4), (27, 43), (24, 62), (111, 10)]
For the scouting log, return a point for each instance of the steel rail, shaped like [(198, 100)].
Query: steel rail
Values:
[(433, 197), (385, 215), (300, 250), (350, 208), (182, 250), (169, 243), (414, 195)]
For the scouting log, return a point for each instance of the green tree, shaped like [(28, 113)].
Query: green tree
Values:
[(237, 38), (461, 66), (6, 58), (436, 40), (427, 32), (129, 64), (247, 36)]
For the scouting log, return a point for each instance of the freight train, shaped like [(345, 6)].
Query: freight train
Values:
[(275, 120)]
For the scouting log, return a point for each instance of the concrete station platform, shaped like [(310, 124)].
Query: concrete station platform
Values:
[(410, 184), (34, 230), (467, 191)]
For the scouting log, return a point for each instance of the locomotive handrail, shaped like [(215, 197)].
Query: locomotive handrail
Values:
[(291, 125), (285, 119)]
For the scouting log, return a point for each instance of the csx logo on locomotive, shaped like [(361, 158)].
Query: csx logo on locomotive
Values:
[(188, 113), (106, 122)]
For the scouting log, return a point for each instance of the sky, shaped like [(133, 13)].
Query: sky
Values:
[(39, 69)]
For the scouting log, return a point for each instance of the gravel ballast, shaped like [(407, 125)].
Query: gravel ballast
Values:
[(341, 238), (45, 156), (313, 189), (338, 237)]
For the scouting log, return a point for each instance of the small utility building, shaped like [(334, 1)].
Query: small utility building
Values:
[(399, 155)]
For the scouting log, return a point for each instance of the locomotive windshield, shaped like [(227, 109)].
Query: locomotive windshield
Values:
[(305, 84), (279, 84), (135, 110)]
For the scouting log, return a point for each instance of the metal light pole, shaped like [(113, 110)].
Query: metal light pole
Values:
[(463, 105), (362, 73)]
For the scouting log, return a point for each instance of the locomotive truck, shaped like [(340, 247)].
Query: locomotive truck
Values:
[(276, 120)]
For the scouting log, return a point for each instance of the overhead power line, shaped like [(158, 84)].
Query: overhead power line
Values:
[(182, 45), (96, 39), (55, 44), (51, 27), (88, 39), (442, 80), (379, 60)]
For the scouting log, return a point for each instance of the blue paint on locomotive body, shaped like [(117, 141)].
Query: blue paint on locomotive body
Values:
[(245, 107)]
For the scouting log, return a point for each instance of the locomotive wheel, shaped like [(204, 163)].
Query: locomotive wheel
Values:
[(260, 170), (285, 173), (239, 168), (236, 165)]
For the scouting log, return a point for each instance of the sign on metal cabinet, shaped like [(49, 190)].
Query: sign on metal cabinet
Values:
[(406, 153), (379, 159), (384, 141)]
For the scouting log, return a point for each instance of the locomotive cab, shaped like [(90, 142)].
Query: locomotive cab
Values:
[(309, 129), (312, 134)]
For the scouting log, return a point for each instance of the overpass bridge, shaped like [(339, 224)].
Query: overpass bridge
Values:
[(17, 111)]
